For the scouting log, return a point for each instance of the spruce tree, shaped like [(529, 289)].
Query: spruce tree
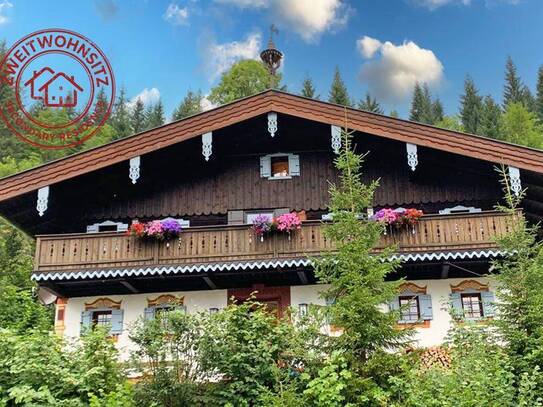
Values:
[(370, 104), (138, 118), (437, 111), (513, 91), (338, 91), (355, 271), (394, 113), (308, 89), (101, 99), (471, 107), (120, 119), (421, 105), (190, 105), (155, 116), (491, 118), (539, 95)]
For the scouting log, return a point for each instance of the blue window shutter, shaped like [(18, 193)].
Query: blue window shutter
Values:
[(487, 298), (265, 166), (149, 313), (116, 321), (86, 321), (293, 165), (456, 304), (425, 303), (394, 305)]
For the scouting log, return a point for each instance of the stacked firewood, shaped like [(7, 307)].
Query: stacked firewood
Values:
[(435, 356)]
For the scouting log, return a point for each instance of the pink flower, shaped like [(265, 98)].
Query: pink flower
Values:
[(288, 222)]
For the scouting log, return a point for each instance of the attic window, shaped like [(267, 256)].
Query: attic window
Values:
[(279, 166)]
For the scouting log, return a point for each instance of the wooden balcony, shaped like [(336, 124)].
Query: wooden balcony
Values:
[(237, 243)]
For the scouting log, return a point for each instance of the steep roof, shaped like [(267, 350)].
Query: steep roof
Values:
[(270, 101)]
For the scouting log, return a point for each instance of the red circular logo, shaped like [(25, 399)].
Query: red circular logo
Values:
[(61, 88)]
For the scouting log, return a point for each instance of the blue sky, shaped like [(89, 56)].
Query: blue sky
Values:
[(166, 47)]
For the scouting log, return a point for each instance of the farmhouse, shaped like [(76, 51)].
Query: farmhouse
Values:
[(271, 154)]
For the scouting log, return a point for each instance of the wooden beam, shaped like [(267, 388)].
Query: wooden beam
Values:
[(303, 277), (133, 289), (209, 282)]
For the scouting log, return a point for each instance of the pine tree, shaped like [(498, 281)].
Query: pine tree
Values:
[(138, 119), (437, 111), (190, 105), (394, 113), (338, 91), (308, 89), (491, 118), (513, 91), (120, 119), (539, 95), (155, 116), (370, 104), (101, 99), (471, 107), (421, 105)]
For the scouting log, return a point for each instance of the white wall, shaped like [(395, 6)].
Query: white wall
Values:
[(134, 304)]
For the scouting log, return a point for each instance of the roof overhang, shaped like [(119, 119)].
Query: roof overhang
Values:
[(481, 148)]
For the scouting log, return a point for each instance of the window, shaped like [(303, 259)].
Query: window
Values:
[(101, 318), (279, 166), (409, 308), (472, 305)]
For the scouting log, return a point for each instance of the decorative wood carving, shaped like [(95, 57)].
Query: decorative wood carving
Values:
[(336, 138), (134, 170), (272, 123), (413, 288), (165, 299), (514, 178), (60, 313), (469, 284), (103, 302), (43, 197), (412, 156), (207, 140)]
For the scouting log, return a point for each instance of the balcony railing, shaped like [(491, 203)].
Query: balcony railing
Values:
[(238, 243)]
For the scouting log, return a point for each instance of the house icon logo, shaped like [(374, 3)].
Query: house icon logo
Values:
[(55, 89)]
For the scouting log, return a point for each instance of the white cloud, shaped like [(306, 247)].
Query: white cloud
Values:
[(207, 104), (368, 46), (220, 57), (308, 18), (4, 6), (147, 96), (434, 4), (392, 74), (177, 15)]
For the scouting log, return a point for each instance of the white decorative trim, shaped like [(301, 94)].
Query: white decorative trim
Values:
[(43, 197), (459, 209), (412, 157), (244, 265), (514, 177), (207, 140), (272, 123), (336, 138), (134, 171)]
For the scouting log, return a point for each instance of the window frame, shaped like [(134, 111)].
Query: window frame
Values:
[(409, 298), (480, 305), (95, 315)]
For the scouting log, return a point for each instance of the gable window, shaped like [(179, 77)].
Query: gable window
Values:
[(472, 305), (409, 308), (279, 166)]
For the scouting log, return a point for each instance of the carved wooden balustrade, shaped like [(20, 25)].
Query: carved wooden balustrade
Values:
[(238, 243)]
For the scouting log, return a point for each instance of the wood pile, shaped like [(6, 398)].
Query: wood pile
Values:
[(435, 356)]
